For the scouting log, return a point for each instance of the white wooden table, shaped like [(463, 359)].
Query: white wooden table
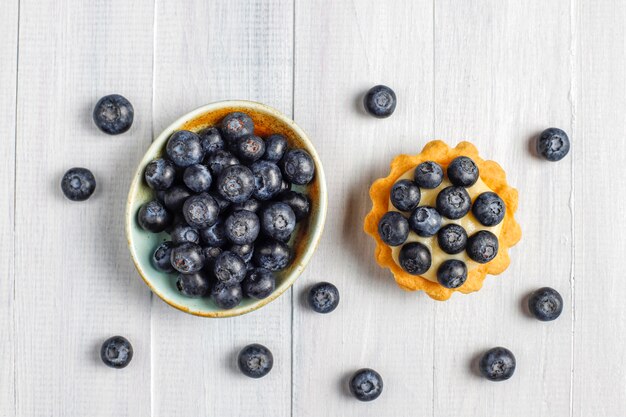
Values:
[(495, 72)]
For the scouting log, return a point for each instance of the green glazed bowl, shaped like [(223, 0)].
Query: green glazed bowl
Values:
[(303, 242)]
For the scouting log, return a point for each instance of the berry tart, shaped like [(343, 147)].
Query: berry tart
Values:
[(443, 220)]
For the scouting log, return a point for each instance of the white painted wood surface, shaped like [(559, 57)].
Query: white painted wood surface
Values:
[(493, 72)]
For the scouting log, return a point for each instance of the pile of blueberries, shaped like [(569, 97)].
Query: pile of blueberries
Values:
[(224, 196)]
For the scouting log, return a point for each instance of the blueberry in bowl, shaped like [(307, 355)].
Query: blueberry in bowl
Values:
[(226, 209)]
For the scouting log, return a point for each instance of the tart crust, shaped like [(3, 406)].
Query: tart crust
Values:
[(490, 172)]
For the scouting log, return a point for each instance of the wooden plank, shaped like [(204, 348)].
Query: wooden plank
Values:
[(208, 51), (377, 324), (75, 284), (502, 75), (9, 24), (600, 316)]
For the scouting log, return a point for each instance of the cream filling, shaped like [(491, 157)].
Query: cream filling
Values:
[(468, 222)]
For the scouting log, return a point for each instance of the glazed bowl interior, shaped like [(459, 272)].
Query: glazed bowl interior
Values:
[(304, 239)]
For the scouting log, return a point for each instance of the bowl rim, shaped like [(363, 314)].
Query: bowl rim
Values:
[(317, 226)]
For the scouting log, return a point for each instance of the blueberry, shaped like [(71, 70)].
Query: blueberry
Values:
[(193, 285), (252, 205), (197, 178), (237, 125), (415, 258), (298, 166), (255, 361), (275, 147), (278, 221), (220, 160), (489, 209), (182, 233), (222, 203), (285, 186), (215, 235), (380, 101), (229, 268), (452, 273), (245, 251), (113, 114), (393, 228), (211, 140), (226, 296), (463, 172), (298, 202), (546, 304), (267, 179), (405, 195), (482, 246), (78, 184), (250, 148), (184, 148), (453, 202), (160, 174), (497, 364), (175, 197), (187, 258), (210, 254), (366, 384), (553, 144), (116, 352), (425, 221), (428, 175), (242, 227), (259, 283), (272, 255), (153, 217), (323, 297), (236, 183), (201, 211), (161, 257), (452, 238)]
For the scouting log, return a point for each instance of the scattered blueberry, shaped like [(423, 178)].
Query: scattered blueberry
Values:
[(489, 209), (182, 233), (323, 297), (272, 255), (255, 361), (298, 202), (244, 251), (275, 147), (497, 364), (113, 114), (175, 197), (226, 296), (229, 268), (220, 160), (242, 227), (211, 141), (380, 101), (197, 178), (482, 246), (267, 179), (116, 352), (366, 384), (160, 174), (298, 166), (153, 217), (393, 228), (278, 221), (553, 144), (453, 202), (161, 257), (236, 183), (428, 175), (452, 239), (546, 304), (187, 258), (462, 172), (259, 283), (425, 221), (78, 184), (415, 258), (250, 148), (237, 125), (184, 148), (252, 205), (215, 235), (405, 195), (201, 211), (193, 285), (452, 273)]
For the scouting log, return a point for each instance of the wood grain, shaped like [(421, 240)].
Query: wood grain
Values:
[(209, 51), (74, 282), (9, 24), (343, 49)]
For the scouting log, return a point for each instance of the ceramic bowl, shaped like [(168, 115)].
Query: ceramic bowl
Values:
[(304, 239)]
